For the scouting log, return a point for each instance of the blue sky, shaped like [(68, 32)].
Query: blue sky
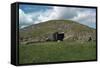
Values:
[(34, 8), (34, 14)]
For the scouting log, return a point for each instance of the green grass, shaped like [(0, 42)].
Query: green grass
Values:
[(56, 51)]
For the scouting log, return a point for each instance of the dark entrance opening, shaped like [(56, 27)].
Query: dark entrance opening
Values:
[(58, 36)]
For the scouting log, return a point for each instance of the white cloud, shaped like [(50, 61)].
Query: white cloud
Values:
[(24, 19), (57, 13), (65, 13), (86, 18), (81, 15)]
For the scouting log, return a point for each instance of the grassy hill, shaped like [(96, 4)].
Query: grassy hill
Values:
[(75, 46), (72, 30)]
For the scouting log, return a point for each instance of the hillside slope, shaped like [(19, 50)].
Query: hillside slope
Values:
[(72, 30)]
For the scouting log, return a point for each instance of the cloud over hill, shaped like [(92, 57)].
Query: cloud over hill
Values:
[(33, 14)]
